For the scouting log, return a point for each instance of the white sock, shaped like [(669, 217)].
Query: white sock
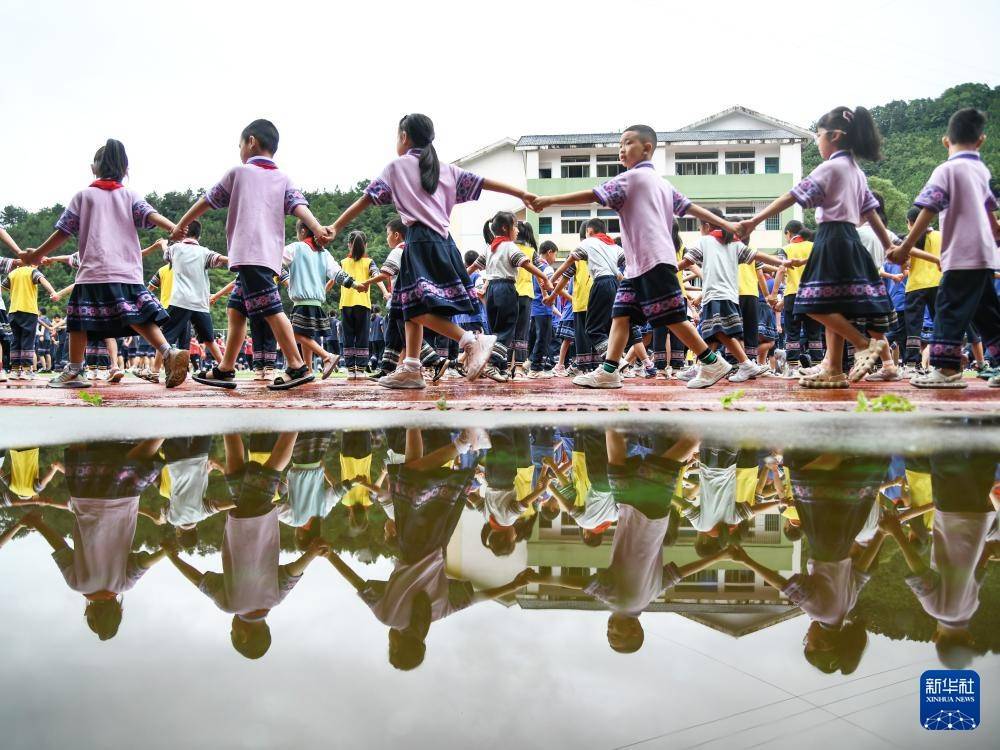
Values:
[(411, 364), (466, 341), (647, 363)]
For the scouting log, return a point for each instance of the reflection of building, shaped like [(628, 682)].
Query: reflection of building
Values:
[(727, 597), (737, 160)]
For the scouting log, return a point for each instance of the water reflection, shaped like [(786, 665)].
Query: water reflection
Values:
[(735, 537)]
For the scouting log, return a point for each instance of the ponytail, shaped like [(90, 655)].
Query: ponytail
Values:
[(420, 130), (861, 134), (487, 231), (111, 161), (727, 236), (501, 224), (526, 235), (357, 243)]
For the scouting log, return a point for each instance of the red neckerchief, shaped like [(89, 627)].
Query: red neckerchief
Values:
[(796, 239), (497, 242), (719, 235), (262, 161), (601, 528), (312, 243), (108, 185), (496, 526), (604, 238)]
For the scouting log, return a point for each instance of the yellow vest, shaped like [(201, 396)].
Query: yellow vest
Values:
[(166, 274), (581, 480), (746, 485), (356, 467), (523, 280), (581, 286), (24, 471), (920, 487), (522, 482), (23, 290), (796, 251), (923, 273), (747, 279), (359, 271)]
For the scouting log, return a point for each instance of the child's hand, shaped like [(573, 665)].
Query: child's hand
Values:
[(362, 287), (547, 285), (54, 296), (898, 254), (319, 546), (179, 233), (525, 577), (31, 520), (889, 523), (744, 228), (323, 238), (31, 257), (736, 553), (48, 261), (529, 200), (538, 203), (169, 545), (331, 233)]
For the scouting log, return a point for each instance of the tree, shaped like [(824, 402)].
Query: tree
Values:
[(896, 204)]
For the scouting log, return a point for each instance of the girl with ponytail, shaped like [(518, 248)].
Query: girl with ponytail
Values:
[(433, 284), (840, 286), (356, 303), (109, 298)]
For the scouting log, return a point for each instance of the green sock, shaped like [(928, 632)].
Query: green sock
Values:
[(610, 366), (707, 357)]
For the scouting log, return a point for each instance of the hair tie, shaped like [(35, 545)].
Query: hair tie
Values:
[(848, 115)]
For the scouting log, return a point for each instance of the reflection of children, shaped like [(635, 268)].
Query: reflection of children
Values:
[(948, 588), (637, 574), (252, 582), (104, 488), (312, 490), (508, 491), (184, 482), (428, 501), (580, 486)]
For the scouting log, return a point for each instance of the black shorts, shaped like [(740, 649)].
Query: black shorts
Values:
[(179, 319), (255, 294), (654, 297)]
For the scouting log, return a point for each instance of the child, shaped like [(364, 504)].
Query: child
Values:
[(309, 266), (395, 239), (108, 298), (541, 314), (841, 287), (959, 190), (6, 333), (433, 284), (500, 266), (798, 328), (721, 323), (23, 283), (922, 281), (525, 285), (650, 291), (356, 303), (259, 196), (606, 263), (190, 293)]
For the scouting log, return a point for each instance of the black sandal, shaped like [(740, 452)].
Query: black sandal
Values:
[(292, 378), (217, 378)]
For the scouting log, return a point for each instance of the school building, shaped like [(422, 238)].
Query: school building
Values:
[(737, 160)]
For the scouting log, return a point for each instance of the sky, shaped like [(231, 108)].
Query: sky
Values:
[(177, 81)]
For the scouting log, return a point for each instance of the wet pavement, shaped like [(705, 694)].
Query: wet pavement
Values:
[(772, 394), (544, 585)]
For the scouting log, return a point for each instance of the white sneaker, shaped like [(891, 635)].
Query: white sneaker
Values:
[(403, 379), (477, 354), (3, 376), (709, 375), (888, 374), (540, 374), (934, 378), (688, 373), (452, 374), (558, 372), (473, 438), (599, 378), (667, 373), (493, 373), (746, 371)]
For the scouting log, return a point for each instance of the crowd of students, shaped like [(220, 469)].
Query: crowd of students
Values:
[(405, 491), (854, 299)]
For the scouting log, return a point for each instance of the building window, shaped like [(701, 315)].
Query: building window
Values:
[(770, 165), (611, 220), (738, 213), (740, 162), (773, 223), (573, 220), (545, 173), (575, 166), (609, 166), (687, 224), (545, 225), (696, 163)]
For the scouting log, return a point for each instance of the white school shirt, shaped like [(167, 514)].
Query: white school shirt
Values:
[(602, 259), (599, 508), (717, 500), (188, 484), (872, 244), (309, 495), (502, 263), (959, 190), (190, 263), (393, 261), (720, 267), (101, 558), (949, 592), (837, 189), (636, 574), (502, 505), (828, 591)]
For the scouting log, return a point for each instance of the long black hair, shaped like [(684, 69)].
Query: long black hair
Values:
[(420, 129), (356, 244), (727, 236), (488, 231), (526, 235), (111, 161), (861, 134), (501, 224)]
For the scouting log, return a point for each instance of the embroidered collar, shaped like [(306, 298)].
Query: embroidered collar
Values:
[(108, 185), (840, 153), (966, 155), (644, 165), (189, 241), (415, 152), (262, 161)]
